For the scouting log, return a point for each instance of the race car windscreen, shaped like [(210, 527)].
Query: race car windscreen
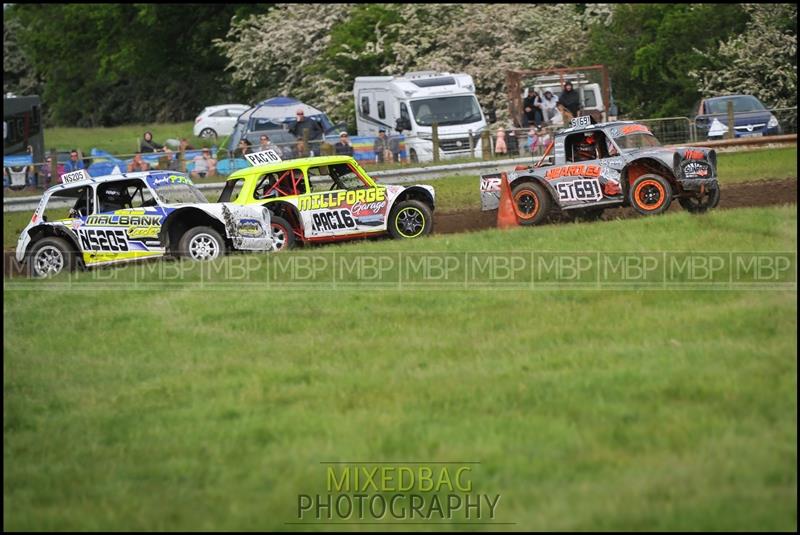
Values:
[(179, 193), (446, 110), (636, 137)]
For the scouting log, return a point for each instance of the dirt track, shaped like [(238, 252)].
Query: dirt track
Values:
[(760, 193), (741, 195)]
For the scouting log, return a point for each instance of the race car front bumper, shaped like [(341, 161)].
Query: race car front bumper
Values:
[(696, 184)]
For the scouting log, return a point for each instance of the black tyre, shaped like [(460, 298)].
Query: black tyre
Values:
[(412, 155), (282, 233), (532, 203), (410, 219), (201, 243), (699, 204), (208, 133), (51, 256), (650, 194)]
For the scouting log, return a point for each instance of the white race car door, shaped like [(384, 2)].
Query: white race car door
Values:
[(341, 203)]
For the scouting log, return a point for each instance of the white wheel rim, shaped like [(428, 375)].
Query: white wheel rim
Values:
[(203, 247), (279, 237), (49, 260)]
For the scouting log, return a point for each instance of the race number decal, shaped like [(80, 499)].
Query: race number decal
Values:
[(583, 120), (332, 220), (75, 176), (580, 190), (263, 157), (112, 240)]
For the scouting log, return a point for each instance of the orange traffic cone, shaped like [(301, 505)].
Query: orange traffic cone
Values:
[(506, 216)]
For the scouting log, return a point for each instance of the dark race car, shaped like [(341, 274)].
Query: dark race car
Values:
[(608, 165)]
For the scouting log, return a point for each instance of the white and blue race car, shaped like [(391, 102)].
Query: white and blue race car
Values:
[(126, 217)]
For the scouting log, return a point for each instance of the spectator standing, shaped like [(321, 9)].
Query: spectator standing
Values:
[(74, 163), (303, 125), (381, 146), (343, 146), (138, 164), (500, 146), (570, 101), (148, 145), (204, 165)]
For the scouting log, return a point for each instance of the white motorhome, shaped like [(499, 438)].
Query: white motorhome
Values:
[(413, 103)]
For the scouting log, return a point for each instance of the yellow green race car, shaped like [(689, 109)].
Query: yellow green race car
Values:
[(328, 198)]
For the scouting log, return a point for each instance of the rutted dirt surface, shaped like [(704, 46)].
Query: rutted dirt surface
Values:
[(743, 194), (740, 195)]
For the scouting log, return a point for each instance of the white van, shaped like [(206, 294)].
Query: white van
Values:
[(413, 102)]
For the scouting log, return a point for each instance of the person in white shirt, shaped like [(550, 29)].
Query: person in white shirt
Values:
[(550, 109)]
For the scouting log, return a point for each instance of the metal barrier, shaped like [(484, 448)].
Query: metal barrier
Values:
[(19, 172)]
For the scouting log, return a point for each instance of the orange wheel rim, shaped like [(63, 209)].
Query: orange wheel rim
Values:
[(645, 188), (526, 204)]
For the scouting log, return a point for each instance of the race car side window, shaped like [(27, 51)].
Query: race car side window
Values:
[(120, 195), (79, 203), (280, 184), (346, 177), (231, 190), (320, 179)]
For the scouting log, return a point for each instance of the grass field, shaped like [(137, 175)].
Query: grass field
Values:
[(176, 406), (461, 192)]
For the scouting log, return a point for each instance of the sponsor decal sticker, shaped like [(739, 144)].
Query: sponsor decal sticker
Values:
[(336, 199), (573, 170), (635, 129)]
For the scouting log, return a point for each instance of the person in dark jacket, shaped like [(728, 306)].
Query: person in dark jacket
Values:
[(148, 145), (301, 125), (570, 100), (344, 146)]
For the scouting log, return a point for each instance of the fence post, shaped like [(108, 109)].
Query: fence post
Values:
[(471, 144), (182, 159), (53, 166), (435, 139), (731, 124), (486, 145)]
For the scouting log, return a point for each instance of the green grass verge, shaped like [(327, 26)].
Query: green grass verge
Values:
[(118, 140), (188, 408)]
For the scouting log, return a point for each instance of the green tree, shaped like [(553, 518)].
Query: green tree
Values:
[(108, 64), (650, 49)]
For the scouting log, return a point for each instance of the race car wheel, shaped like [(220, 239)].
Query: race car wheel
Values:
[(531, 203), (282, 233), (701, 203), (410, 219), (50, 257), (650, 194), (201, 243), (208, 132)]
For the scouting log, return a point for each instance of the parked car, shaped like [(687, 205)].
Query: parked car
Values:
[(329, 198), (751, 117), (606, 165), (215, 121), (127, 217)]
